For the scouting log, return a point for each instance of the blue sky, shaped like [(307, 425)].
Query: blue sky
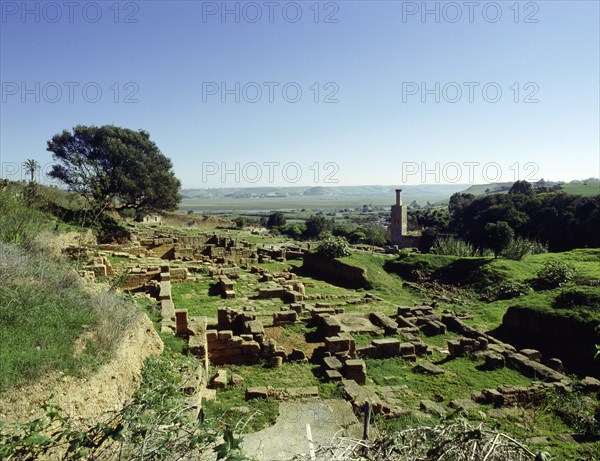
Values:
[(373, 57)]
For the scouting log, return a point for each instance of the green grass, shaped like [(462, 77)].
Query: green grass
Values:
[(384, 284), (231, 409), (582, 189), (43, 310), (460, 380), (202, 298)]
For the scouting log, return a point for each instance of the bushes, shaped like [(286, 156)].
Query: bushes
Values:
[(451, 246), (554, 274), (512, 289), (334, 247), (516, 249), (19, 223)]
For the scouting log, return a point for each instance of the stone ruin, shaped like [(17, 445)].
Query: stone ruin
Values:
[(237, 337)]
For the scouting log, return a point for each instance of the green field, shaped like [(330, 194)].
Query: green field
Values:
[(582, 189)]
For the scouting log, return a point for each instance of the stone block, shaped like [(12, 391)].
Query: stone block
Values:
[(428, 368), (356, 370), (219, 380), (387, 347), (256, 393), (332, 363), (250, 348), (333, 375), (284, 317), (366, 351), (381, 320), (337, 344), (531, 354), (493, 360), (212, 336), (181, 322), (297, 355)]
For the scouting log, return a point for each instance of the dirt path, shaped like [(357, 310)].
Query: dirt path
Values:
[(328, 419)]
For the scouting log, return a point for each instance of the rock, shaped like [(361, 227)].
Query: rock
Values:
[(428, 368), (237, 380), (555, 364), (589, 384), (332, 363), (493, 360), (531, 354), (219, 380), (431, 407), (297, 355), (276, 361), (257, 393), (462, 404)]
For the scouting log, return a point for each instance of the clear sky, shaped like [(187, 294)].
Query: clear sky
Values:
[(392, 92)]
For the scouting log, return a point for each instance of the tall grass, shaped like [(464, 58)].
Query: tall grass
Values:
[(451, 246), (45, 312), (520, 247)]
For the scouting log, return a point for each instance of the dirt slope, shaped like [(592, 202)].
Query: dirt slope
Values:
[(107, 389)]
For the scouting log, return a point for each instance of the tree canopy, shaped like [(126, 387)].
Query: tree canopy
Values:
[(498, 236), (276, 219), (115, 168), (560, 220)]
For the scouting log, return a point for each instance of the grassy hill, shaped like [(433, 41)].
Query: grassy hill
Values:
[(45, 314)]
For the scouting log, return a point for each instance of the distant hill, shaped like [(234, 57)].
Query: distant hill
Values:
[(410, 191), (493, 188), (336, 197)]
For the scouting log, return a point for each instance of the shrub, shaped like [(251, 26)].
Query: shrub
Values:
[(554, 274), (241, 221), (512, 289), (520, 247), (334, 247), (579, 411), (19, 223)]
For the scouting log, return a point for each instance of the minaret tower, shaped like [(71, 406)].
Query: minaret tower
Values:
[(399, 219)]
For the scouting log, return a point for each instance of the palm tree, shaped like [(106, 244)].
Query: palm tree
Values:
[(31, 166)]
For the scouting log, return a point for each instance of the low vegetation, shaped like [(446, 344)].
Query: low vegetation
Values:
[(49, 322)]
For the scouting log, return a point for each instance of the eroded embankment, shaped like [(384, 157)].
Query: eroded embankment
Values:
[(334, 271), (109, 388), (569, 338)]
